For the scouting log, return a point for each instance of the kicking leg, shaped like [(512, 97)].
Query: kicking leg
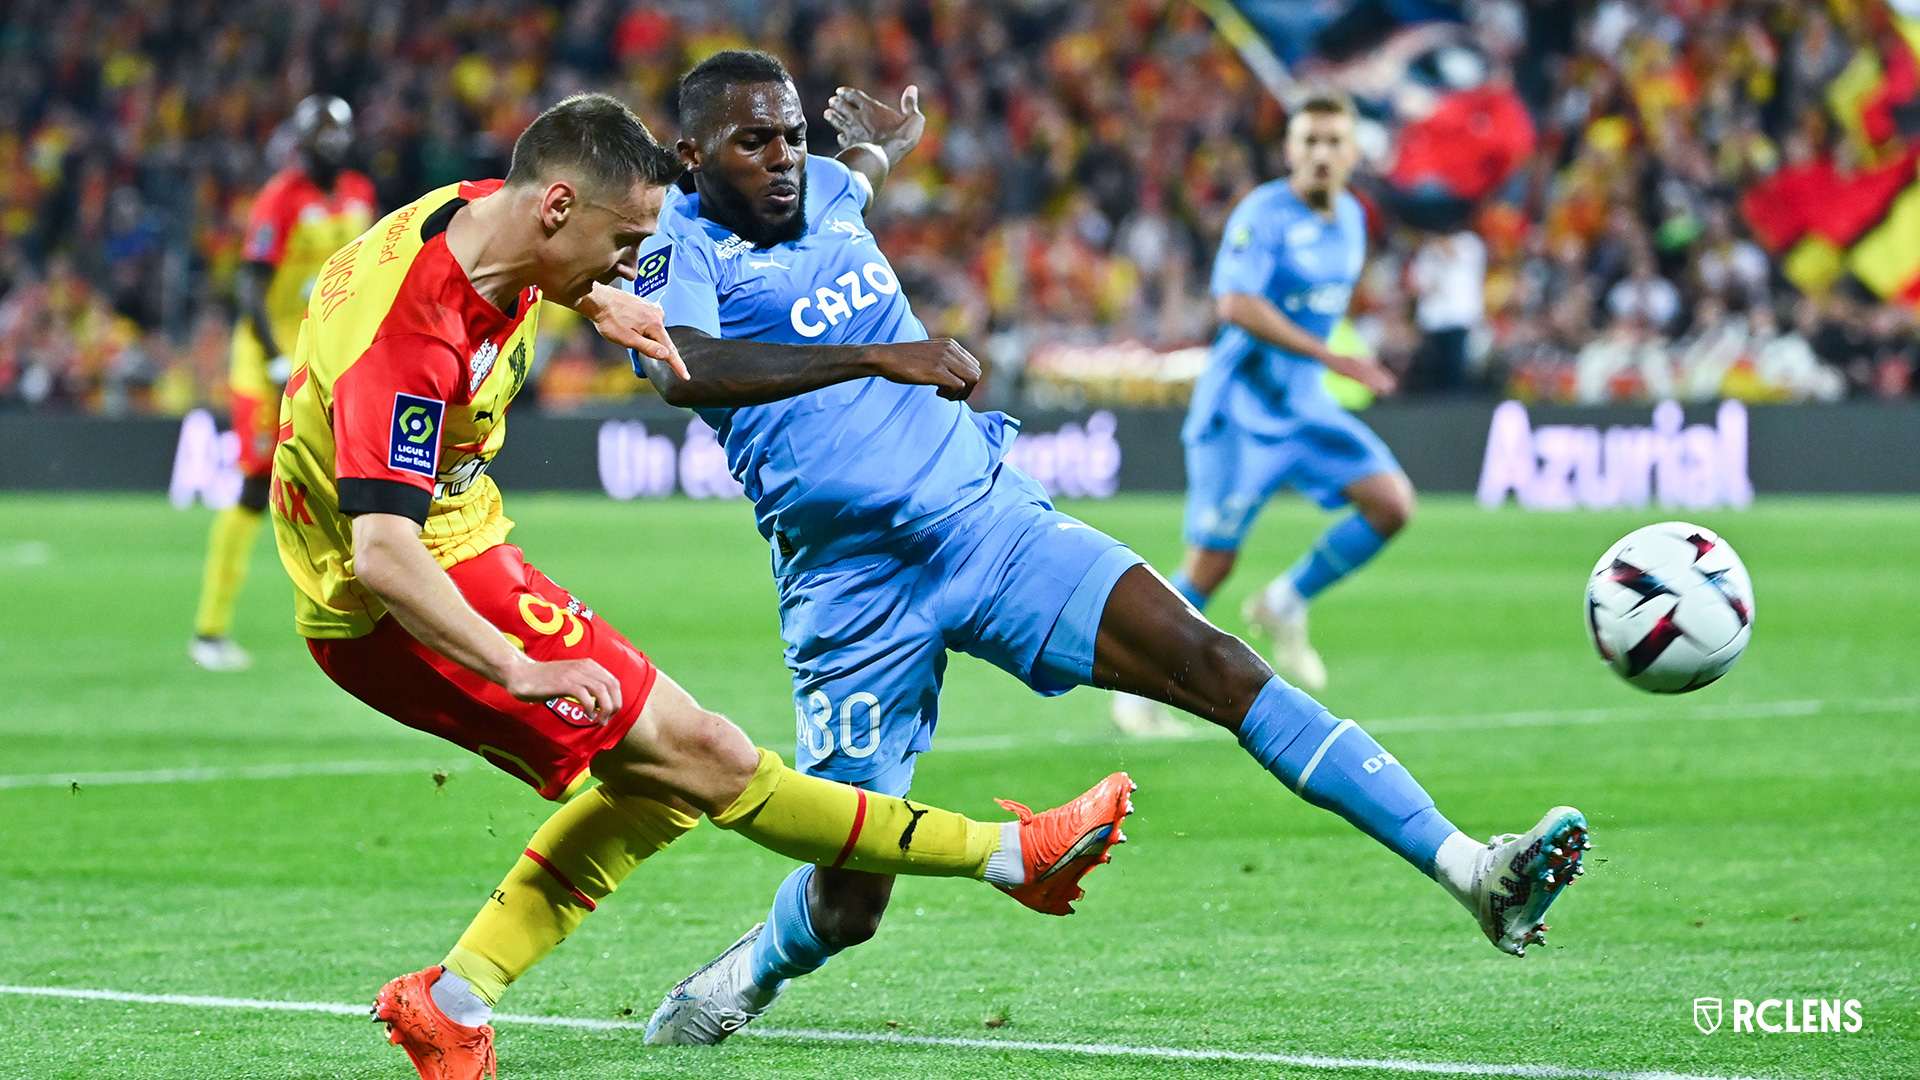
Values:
[(1151, 643)]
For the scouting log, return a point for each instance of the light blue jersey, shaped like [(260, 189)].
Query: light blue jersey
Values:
[(897, 531), (842, 469), (1261, 417), (1278, 247)]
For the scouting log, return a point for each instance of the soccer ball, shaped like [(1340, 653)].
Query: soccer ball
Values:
[(1670, 607)]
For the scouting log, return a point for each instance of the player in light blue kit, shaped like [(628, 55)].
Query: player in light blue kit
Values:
[(1261, 416), (897, 532)]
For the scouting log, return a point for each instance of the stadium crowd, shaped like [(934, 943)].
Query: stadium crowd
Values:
[(1080, 161)]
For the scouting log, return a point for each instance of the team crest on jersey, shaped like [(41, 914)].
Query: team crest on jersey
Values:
[(841, 225), (415, 442), (481, 366), (517, 363), (653, 271)]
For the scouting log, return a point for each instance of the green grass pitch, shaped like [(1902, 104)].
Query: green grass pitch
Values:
[(1758, 839)]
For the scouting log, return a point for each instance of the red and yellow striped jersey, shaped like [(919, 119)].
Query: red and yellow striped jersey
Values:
[(397, 404), (293, 226)]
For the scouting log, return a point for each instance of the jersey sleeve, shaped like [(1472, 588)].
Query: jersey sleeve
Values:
[(1249, 253), (677, 272), (269, 222), (388, 409)]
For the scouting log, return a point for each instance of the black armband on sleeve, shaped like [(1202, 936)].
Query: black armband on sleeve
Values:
[(363, 496)]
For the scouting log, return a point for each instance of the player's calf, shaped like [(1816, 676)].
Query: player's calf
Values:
[(847, 905)]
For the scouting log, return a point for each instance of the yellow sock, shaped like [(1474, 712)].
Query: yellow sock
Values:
[(572, 863), (229, 549), (818, 821)]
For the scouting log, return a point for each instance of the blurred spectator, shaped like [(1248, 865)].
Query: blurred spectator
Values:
[(1079, 163), (1644, 297), (1629, 362), (1449, 278)]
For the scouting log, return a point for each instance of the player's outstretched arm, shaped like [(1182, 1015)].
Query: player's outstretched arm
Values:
[(389, 559), (873, 134), (1260, 317), (730, 372), (632, 322)]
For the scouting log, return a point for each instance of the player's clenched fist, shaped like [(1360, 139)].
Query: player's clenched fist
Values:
[(941, 362), (585, 681)]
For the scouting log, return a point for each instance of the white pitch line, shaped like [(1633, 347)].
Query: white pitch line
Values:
[(205, 774), (1308, 1061), (1761, 710)]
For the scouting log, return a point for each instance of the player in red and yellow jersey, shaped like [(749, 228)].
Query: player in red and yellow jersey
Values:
[(302, 215), (416, 339)]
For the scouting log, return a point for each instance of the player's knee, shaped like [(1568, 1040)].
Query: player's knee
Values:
[(253, 493), (1390, 509), (1234, 672), (715, 739), (1220, 673)]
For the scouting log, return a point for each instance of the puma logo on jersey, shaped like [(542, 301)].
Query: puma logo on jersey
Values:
[(906, 837), (812, 314), (762, 264), (854, 232)]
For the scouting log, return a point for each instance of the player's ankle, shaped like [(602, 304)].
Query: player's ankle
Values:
[(1007, 867), (1454, 864), (456, 997)]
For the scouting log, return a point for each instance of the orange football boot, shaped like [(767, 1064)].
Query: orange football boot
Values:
[(440, 1049), (1062, 845)]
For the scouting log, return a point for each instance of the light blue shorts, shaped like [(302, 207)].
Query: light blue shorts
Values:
[(1232, 472), (1008, 579)]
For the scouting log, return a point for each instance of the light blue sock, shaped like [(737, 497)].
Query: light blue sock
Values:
[(1184, 585), (787, 948), (1333, 764), (1341, 550)]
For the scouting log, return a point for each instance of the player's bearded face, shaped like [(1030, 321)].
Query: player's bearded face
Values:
[(753, 178), (1322, 153)]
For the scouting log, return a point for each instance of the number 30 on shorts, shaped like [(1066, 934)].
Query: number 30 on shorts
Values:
[(857, 730)]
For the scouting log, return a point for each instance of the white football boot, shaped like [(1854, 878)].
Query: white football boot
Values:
[(1145, 718), (1518, 876), (715, 1001), (218, 654), (1286, 623)]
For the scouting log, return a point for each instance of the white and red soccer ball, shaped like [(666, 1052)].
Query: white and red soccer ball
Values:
[(1670, 607)]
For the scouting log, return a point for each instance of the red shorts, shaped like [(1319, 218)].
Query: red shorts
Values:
[(547, 744), (255, 421)]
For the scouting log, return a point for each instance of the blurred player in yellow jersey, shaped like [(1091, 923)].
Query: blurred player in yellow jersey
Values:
[(305, 213)]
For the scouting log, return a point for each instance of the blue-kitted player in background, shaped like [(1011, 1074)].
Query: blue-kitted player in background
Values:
[(897, 532), (1262, 417)]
